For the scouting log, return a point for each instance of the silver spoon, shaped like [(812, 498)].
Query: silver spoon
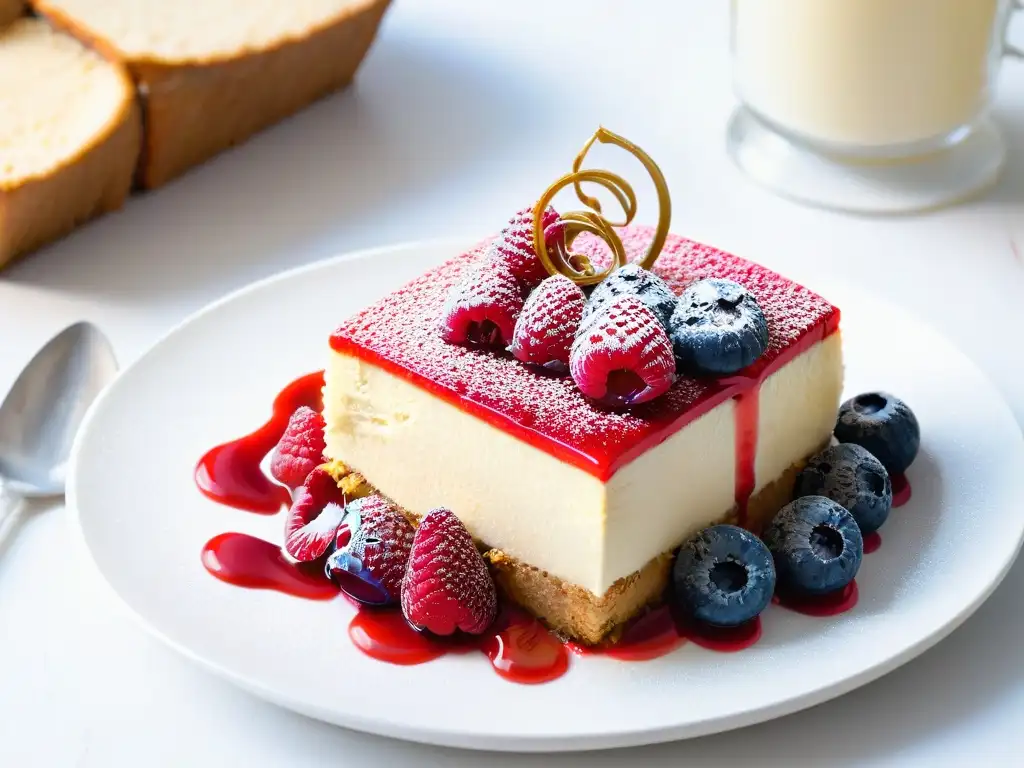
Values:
[(42, 412)]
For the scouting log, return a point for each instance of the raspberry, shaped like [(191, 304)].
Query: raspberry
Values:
[(371, 551), (548, 323), (622, 355), (514, 245), (316, 512), (447, 585), (481, 310), (300, 449)]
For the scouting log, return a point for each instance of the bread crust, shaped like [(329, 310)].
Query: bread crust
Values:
[(93, 181), (10, 10), (192, 110)]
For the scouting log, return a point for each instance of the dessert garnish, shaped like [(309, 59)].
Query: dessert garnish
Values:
[(481, 310), (717, 328), (724, 576), (622, 355), (447, 586), (852, 477), (300, 450), (370, 551), (816, 545), (548, 323), (577, 266), (318, 506), (514, 248), (884, 425)]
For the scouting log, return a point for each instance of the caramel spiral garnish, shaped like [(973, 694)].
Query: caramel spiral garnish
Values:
[(560, 260)]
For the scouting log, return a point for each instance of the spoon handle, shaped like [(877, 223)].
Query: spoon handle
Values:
[(11, 507)]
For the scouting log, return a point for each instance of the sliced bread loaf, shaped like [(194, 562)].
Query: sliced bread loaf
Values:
[(213, 73), (69, 136), (10, 10)]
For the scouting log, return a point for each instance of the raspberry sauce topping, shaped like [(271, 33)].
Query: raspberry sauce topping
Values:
[(399, 334)]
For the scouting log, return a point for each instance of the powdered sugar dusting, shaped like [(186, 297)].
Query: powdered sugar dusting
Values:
[(316, 511), (300, 448), (488, 292), (382, 540), (399, 333), (514, 245), (447, 585), (624, 335), (547, 325)]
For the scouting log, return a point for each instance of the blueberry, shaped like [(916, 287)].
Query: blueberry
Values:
[(882, 424), (724, 576), (717, 328), (854, 479), (345, 564), (632, 279), (816, 545), (349, 575)]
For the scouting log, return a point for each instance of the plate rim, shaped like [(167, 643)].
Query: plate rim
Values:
[(500, 741)]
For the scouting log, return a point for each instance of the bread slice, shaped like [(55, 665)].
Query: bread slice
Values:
[(10, 10), (70, 135), (213, 73)]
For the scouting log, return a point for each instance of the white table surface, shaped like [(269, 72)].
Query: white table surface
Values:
[(461, 114)]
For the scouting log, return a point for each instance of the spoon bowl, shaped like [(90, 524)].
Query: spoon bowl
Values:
[(43, 410)]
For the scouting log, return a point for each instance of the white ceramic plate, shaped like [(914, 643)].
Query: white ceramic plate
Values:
[(214, 377)]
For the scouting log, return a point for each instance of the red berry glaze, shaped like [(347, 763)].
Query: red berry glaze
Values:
[(300, 449), (547, 325), (622, 355), (381, 538), (481, 310), (315, 514), (513, 247), (447, 586)]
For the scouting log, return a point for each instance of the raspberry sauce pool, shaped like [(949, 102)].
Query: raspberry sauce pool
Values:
[(831, 604), (518, 646), (658, 633), (900, 490), (245, 561), (231, 474), (872, 542)]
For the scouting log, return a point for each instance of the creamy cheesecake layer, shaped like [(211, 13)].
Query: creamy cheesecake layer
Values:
[(590, 619), (424, 452)]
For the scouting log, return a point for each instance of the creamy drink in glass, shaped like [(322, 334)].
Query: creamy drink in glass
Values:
[(868, 104)]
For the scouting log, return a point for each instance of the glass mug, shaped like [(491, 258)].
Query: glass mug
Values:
[(861, 85)]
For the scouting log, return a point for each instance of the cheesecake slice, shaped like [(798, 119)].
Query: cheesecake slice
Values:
[(579, 507)]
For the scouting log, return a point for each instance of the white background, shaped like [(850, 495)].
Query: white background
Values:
[(462, 113)]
